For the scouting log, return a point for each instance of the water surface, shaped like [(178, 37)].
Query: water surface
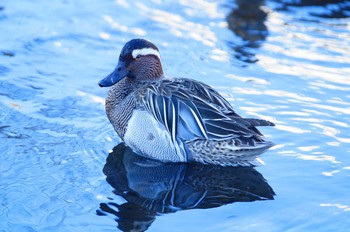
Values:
[(288, 62)]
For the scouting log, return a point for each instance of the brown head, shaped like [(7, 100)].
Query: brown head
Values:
[(138, 60)]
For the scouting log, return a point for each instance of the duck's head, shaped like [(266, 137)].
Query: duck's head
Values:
[(139, 60)]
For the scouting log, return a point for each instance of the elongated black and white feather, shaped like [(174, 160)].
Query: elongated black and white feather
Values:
[(191, 110)]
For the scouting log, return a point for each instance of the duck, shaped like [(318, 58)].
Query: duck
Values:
[(176, 119)]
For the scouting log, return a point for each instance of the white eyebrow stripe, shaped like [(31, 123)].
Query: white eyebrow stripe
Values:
[(144, 52)]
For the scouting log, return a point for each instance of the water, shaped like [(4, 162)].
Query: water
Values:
[(281, 61)]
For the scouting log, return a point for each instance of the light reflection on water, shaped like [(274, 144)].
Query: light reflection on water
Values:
[(288, 63)]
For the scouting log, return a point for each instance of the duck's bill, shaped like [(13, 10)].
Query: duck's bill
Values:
[(118, 74)]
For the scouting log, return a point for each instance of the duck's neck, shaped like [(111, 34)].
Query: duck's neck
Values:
[(124, 87), (119, 91)]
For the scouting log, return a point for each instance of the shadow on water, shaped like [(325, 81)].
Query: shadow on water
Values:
[(151, 187), (247, 21)]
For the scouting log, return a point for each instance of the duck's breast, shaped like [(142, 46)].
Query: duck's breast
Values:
[(146, 136)]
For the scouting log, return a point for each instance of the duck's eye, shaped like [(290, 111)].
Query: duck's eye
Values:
[(138, 56)]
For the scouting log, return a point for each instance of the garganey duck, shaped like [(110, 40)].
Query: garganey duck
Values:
[(176, 119)]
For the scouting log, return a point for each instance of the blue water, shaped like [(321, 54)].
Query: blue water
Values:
[(284, 61)]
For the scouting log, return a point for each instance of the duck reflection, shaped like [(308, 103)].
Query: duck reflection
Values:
[(247, 21), (150, 187)]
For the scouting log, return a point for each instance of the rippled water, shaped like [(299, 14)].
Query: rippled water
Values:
[(287, 62)]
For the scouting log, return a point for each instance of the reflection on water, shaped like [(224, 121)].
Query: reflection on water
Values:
[(150, 187), (328, 8), (247, 21)]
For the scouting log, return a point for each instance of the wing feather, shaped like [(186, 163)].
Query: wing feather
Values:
[(190, 110)]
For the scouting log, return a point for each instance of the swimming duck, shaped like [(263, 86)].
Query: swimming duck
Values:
[(176, 119)]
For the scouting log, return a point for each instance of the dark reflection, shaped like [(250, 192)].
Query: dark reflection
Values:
[(331, 8), (7, 53), (247, 20), (150, 187)]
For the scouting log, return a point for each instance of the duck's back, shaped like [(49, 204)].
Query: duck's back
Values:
[(192, 110)]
